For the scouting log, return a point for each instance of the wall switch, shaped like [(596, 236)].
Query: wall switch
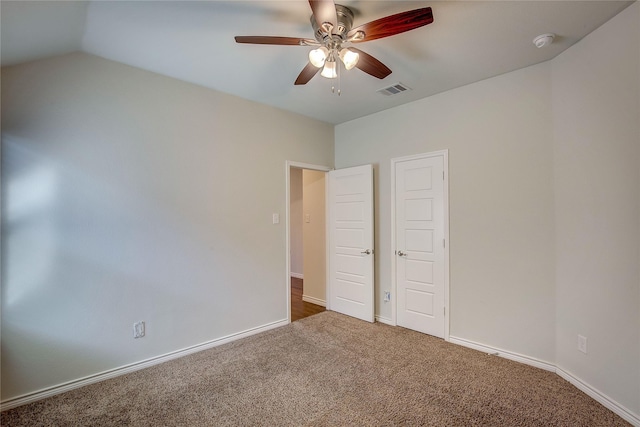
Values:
[(387, 296), (138, 330), (307, 218), (582, 344), (276, 218)]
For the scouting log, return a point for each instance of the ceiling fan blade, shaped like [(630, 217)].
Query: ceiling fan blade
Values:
[(307, 74), (371, 65), (292, 41), (393, 24), (324, 12)]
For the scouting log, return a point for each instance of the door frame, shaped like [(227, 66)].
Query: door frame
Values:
[(445, 203), (298, 165)]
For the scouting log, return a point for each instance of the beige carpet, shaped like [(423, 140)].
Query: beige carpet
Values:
[(326, 370)]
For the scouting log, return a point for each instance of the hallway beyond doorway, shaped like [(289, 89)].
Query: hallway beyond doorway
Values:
[(299, 308)]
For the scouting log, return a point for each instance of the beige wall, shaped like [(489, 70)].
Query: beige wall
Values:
[(314, 236), (498, 133), (596, 109), (130, 196)]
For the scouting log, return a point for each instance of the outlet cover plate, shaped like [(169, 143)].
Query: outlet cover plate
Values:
[(138, 330), (582, 344)]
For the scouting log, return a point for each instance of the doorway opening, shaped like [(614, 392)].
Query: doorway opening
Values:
[(306, 239)]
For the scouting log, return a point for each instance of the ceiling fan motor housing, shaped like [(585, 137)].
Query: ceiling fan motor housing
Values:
[(344, 23)]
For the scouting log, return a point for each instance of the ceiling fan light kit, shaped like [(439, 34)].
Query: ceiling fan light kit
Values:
[(329, 69), (318, 56), (349, 58), (321, 57), (333, 25)]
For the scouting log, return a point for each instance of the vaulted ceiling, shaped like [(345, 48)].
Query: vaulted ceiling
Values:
[(194, 41)]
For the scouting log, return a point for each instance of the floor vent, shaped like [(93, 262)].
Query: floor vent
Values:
[(394, 89)]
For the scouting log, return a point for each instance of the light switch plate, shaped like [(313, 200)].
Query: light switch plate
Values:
[(276, 218)]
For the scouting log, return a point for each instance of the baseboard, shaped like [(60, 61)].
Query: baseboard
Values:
[(297, 275), (602, 398), (116, 372), (385, 320), (527, 360), (312, 300), (592, 392)]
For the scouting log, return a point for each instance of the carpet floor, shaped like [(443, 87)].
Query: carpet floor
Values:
[(326, 370)]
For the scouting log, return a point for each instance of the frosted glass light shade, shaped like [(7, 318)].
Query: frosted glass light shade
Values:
[(318, 56), (349, 58), (329, 70)]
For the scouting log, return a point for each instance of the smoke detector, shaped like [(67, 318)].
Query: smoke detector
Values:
[(544, 40)]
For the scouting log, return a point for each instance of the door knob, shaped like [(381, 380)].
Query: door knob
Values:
[(366, 252), (400, 253)]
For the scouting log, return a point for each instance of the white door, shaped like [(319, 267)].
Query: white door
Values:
[(351, 242), (419, 233)]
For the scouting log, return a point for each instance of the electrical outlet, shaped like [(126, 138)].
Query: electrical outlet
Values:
[(138, 330), (582, 344), (387, 296)]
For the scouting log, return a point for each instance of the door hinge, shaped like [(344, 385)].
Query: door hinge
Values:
[(443, 244), (444, 311)]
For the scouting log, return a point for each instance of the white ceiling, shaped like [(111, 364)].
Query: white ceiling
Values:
[(194, 41)]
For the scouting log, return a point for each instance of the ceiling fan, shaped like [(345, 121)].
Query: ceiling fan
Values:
[(333, 27)]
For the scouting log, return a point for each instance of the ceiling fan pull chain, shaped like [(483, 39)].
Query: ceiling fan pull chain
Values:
[(339, 74), (333, 87)]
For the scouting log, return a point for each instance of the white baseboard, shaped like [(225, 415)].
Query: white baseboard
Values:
[(592, 392), (81, 382), (297, 275), (504, 353), (385, 320), (312, 300), (605, 400)]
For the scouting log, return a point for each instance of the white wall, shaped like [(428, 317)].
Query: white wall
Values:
[(596, 109), (499, 137), (295, 222), (315, 235), (131, 196)]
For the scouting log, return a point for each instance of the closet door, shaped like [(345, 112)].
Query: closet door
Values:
[(419, 246)]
